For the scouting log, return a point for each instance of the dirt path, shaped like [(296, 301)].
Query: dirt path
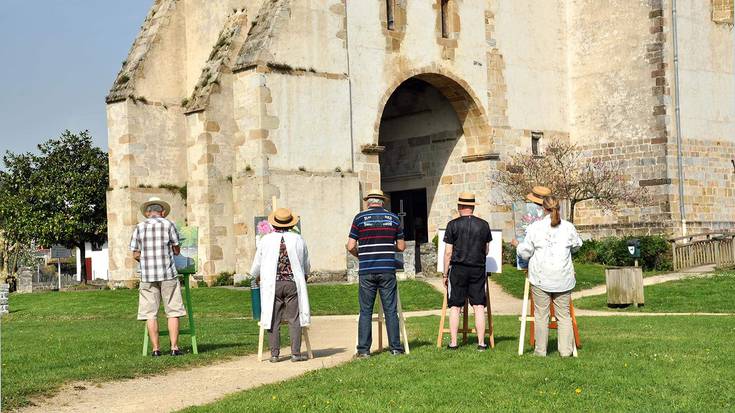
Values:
[(333, 341)]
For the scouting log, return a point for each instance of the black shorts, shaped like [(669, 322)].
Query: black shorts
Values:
[(466, 282)]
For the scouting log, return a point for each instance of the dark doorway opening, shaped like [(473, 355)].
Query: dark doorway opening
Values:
[(416, 213), (411, 207)]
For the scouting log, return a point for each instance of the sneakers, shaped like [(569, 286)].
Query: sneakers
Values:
[(481, 347), (451, 347), (362, 355), (156, 353), (298, 357), (176, 352), (396, 352), (275, 359)]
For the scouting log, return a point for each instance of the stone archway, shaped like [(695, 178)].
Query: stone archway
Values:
[(436, 161), (466, 104)]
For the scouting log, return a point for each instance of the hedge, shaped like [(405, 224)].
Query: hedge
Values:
[(613, 251)]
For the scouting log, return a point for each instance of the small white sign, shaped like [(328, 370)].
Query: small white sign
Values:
[(631, 249), (493, 261)]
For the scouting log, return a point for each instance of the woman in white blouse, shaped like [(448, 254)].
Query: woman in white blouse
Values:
[(548, 246)]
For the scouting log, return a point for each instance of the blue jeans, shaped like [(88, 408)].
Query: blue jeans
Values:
[(370, 284)]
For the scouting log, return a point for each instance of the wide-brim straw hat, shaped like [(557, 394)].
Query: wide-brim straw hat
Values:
[(375, 193), (466, 198), (538, 193), (155, 201), (283, 218)]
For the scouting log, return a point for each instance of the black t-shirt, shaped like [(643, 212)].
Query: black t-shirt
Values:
[(468, 235)]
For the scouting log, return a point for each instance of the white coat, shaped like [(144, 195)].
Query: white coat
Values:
[(550, 252), (265, 265)]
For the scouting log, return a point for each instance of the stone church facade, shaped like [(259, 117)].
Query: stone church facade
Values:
[(224, 106)]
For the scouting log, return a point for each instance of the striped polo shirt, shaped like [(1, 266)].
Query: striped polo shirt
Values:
[(376, 231)]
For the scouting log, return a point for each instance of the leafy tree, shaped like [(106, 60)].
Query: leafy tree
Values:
[(57, 196), (571, 176)]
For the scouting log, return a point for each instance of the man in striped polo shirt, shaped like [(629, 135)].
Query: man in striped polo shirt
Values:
[(375, 237)]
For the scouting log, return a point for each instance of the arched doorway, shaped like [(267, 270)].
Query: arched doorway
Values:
[(429, 127)]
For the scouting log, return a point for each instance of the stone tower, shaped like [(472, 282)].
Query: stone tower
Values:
[(223, 106)]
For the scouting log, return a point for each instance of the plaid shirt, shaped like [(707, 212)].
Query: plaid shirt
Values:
[(154, 238)]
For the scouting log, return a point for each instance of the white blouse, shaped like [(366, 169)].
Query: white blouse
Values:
[(550, 250)]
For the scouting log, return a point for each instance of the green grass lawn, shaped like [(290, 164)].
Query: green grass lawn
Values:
[(627, 364), (711, 295), (588, 276), (50, 339), (512, 279)]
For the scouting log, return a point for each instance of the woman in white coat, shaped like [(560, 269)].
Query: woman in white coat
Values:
[(548, 246), (281, 266)]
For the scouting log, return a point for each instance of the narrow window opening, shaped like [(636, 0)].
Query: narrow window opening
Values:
[(445, 18), (535, 140), (389, 8)]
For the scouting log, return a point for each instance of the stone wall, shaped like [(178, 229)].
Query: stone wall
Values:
[(4, 295), (222, 107), (25, 281)]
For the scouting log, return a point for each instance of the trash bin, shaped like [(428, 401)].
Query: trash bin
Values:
[(255, 301)]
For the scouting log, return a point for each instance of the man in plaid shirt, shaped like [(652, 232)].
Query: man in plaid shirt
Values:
[(154, 243)]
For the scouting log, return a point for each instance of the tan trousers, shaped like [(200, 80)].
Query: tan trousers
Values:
[(541, 304)]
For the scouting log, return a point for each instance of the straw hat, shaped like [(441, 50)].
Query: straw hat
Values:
[(538, 193), (282, 218), (466, 198), (155, 201), (375, 193)]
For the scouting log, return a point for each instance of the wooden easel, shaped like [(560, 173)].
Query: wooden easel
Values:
[(380, 318), (553, 325), (465, 320), (528, 301), (304, 335)]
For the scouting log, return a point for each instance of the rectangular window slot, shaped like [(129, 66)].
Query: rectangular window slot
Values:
[(535, 140), (389, 8), (445, 18)]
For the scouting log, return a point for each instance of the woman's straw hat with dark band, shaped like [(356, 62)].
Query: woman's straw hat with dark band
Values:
[(282, 218), (155, 201), (466, 198), (375, 193), (538, 193)]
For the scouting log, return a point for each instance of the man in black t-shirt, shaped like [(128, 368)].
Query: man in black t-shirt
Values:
[(467, 241)]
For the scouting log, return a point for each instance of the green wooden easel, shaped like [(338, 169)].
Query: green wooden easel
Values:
[(191, 331)]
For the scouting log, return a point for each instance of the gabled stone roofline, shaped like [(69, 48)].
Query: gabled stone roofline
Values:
[(255, 49), (220, 60), (158, 16)]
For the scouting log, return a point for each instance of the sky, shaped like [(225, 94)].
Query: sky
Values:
[(58, 59)]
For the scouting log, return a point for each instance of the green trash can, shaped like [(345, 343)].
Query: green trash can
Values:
[(255, 301)]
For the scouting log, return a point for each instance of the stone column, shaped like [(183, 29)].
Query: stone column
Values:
[(4, 292), (25, 280)]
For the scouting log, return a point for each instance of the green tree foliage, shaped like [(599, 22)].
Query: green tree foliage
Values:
[(56, 196)]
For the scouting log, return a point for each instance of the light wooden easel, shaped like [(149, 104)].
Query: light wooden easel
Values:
[(380, 318), (304, 330), (528, 301), (304, 335), (465, 320)]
